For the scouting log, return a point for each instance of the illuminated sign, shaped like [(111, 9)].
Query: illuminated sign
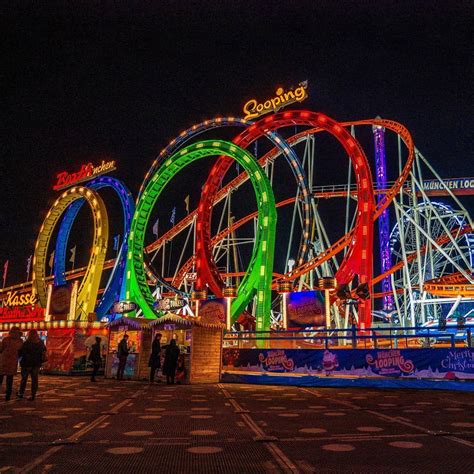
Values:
[(89, 171), (170, 304), (305, 309), (14, 299), (253, 109), (191, 276), (21, 314), (121, 307), (458, 186)]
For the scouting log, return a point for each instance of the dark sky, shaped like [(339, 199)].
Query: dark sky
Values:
[(81, 81)]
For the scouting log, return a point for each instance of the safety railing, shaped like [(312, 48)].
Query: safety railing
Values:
[(352, 338)]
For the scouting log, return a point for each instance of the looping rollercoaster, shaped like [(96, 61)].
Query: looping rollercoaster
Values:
[(133, 271), (116, 281)]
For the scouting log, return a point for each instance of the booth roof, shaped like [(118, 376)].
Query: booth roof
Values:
[(171, 318), (137, 323)]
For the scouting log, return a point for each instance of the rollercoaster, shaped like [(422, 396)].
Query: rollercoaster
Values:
[(375, 250)]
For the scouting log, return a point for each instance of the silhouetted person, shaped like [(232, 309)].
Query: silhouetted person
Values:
[(154, 362), (122, 353), (9, 353), (32, 354), (171, 359), (95, 358)]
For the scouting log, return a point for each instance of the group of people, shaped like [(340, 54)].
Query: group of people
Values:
[(173, 364), (31, 354)]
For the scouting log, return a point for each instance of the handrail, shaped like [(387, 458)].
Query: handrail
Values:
[(423, 334)]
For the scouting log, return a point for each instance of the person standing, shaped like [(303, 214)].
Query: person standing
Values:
[(95, 358), (171, 359), (9, 353), (154, 362), (32, 354), (122, 353)]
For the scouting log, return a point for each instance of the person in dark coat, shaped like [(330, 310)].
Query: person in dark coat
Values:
[(154, 362), (171, 360), (9, 353), (32, 354), (95, 358), (123, 350)]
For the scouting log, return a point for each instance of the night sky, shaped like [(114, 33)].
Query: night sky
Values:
[(96, 81)]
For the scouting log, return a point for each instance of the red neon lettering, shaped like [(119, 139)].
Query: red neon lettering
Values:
[(65, 179)]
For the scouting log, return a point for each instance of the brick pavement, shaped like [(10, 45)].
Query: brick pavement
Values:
[(77, 426)]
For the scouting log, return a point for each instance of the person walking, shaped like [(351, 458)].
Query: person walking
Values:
[(123, 350), (154, 362), (9, 353), (95, 358), (171, 359), (32, 356)]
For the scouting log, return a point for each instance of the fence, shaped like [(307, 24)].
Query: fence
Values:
[(352, 338)]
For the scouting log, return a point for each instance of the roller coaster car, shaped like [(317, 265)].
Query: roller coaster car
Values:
[(439, 331)]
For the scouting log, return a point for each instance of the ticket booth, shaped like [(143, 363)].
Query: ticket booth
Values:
[(139, 340), (172, 326), (199, 341)]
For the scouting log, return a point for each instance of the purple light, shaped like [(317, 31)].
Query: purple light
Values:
[(383, 220)]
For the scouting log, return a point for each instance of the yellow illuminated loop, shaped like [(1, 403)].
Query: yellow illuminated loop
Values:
[(87, 294)]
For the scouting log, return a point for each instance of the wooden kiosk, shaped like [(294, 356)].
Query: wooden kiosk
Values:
[(200, 342), (139, 340)]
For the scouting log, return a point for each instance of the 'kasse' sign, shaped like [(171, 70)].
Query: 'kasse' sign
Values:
[(14, 298)]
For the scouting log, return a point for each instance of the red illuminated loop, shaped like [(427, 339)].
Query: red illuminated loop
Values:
[(358, 260)]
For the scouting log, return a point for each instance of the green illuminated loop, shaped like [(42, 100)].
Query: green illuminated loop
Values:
[(87, 293), (257, 280)]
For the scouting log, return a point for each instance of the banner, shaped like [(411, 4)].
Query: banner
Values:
[(448, 364), (212, 311), (60, 348), (305, 309), (60, 302)]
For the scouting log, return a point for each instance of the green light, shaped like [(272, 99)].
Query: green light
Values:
[(258, 278)]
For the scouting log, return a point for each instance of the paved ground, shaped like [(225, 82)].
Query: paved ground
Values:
[(75, 426)]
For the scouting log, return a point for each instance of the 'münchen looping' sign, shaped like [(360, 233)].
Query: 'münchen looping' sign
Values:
[(253, 109)]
